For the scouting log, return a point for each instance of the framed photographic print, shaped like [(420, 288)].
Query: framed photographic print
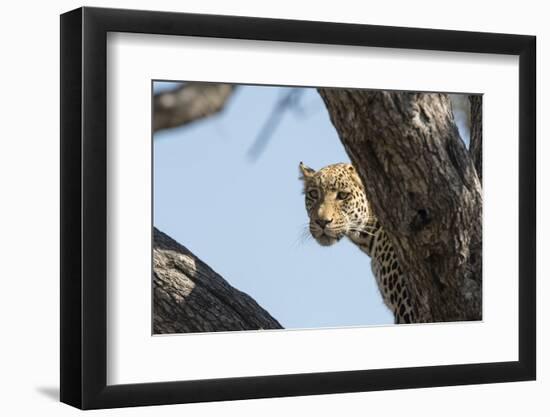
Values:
[(257, 208)]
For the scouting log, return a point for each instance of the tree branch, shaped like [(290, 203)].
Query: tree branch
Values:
[(188, 296), (190, 102), (423, 187), (287, 102), (476, 132)]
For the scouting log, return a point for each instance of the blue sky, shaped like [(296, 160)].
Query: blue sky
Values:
[(246, 218)]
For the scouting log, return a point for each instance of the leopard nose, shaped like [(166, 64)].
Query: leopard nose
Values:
[(322, 222)]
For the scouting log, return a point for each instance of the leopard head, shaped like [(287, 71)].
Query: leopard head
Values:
[(335, 202)]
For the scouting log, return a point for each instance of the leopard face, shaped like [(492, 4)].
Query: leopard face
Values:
[(335, 202)]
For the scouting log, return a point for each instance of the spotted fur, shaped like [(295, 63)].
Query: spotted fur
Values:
[(337, 206)]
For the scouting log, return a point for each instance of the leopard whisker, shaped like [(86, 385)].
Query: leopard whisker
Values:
[(303, 237)]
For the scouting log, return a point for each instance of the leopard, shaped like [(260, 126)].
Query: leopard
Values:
[(338, 207)]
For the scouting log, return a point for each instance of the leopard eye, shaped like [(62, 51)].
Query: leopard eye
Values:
[(342, 195), (313, 194)]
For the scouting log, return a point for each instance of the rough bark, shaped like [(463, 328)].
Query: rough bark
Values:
[(188, 296), (476, 133), (188, 103), (424, 189)]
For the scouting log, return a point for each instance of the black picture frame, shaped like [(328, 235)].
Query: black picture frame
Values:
[(84, 207)]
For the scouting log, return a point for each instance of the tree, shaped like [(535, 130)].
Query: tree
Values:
[(424, 188), (422, 182), (190, 297), (189, 102), (476, 133)]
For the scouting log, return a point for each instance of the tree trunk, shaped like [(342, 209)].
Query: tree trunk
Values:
[(188, 296), (423, 186)]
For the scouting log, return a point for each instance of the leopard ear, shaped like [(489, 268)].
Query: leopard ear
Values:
[(306, 171)]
